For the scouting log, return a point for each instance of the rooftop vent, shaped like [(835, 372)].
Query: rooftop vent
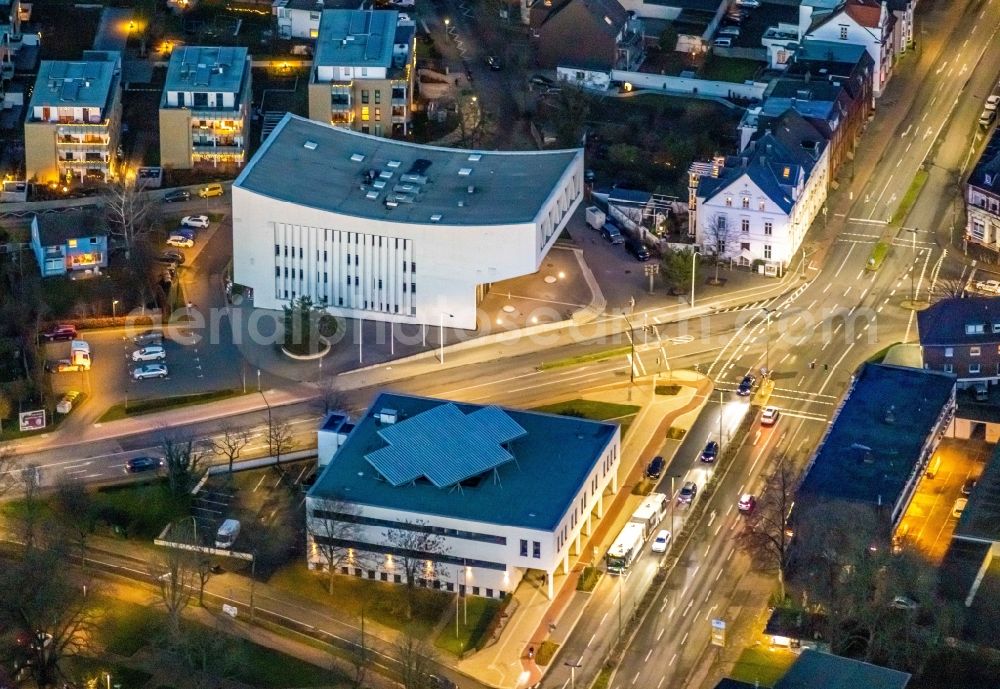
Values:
[(379, 184), (309, 145), (393, 164), (357, 158), (475, 157), (465, 171), (461, 204), (387, 416), (436, 217), (890, 415), (471, 189), (371, 195), (385, 174)]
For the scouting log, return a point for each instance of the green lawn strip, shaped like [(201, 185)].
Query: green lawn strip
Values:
[(478, 613), (81, 667), (734, 69), (586, 358), (149, 406), (138, 510), (603, 678), (877, 256), (589, 409), (546, 652), (667, 389), (880, 355), (759, 665), (910, 198), (383, 603)]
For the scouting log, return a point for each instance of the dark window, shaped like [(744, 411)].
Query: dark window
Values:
[(300, 252), (326, 278), (413, 266), (450, 585), (277, 250), (397, 579), (524, 548), (356, 258), (413, 287), (489, 593), (536, 549), (384, 576), (324, 255), (378, 96), (364, 96), (380, 283), (404, 266), (404, 287), (286, 272), (475, 590), (355, 280), (277, 272)]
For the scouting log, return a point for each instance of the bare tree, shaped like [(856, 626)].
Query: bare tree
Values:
[(279, 438), (948, 288), (183, 464), (175, 575), (766, 535), (416, 661), (331, 397), (231, 443), (360, 655), (415, 547), (718, 236), (74, 508), (128, 209), (332, 528), (472, 119)]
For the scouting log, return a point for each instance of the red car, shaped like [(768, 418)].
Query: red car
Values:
[(60, 332)]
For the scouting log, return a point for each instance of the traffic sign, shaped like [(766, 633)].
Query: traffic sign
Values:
[(32, 420), (718, 632)]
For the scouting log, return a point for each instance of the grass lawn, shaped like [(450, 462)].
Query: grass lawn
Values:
[(675, 433), (150, 406), (141, 510), (134, 625), (910, 198), (86, 668), (589, 409), (546, 652), (877, 256), (735, 69), (11, 431), (480, 612), (667, 389), (760, 664), (603, 355), (588, 579), (382, 602)]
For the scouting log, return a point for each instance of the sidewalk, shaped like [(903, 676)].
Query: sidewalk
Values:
[(505, 664)]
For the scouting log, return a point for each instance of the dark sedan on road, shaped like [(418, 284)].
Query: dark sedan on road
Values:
[(710, 452), (655, 468), (177, 195), (687, 493), (138, 464), (174, 257), (746, 385)]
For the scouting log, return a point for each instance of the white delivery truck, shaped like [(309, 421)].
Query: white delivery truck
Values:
[(595, 217), (227, 533)]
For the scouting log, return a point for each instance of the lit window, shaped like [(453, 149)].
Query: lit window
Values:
[(746, 201), (974, 351), (729, 200), (787, 172), (365, 115)]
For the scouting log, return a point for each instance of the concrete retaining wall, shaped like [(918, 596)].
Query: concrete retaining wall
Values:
[(701, 87)]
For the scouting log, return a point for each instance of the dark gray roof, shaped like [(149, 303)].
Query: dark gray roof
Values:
[(80, 83), (356, 38), (599, 9), (319, 5), (829, 51), (875, 441), (553, 458), (943, 324), (206, 68), (986, 174), (980, 520), (816, 670), (55, 228), (328, 168)]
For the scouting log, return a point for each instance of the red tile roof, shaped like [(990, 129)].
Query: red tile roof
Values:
[(864, 12)]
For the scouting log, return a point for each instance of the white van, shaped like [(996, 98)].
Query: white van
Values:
[(227, 533), (723, 42)]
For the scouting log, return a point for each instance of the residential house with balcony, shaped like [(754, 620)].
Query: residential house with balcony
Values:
[(363, 71), (982, 198), (69, 243), (591, 36), (300, 18), (962, 336), (754, 209), (205, 108), (72, 124), (865, 22)]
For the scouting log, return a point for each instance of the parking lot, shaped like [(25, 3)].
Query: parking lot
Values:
[(929, 523)]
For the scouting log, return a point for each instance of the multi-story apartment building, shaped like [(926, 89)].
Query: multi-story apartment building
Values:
[(205, 108), (300, 18), (755, 208), (73, 119), (962, 337), (864, 22), (982, 198), (363, 71)]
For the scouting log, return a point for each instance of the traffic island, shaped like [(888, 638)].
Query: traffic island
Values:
[(915, 304)]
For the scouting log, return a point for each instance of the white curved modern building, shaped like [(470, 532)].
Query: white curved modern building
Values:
[(388, 230)]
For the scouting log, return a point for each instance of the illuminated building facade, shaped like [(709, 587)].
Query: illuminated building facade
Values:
[(205, 108)]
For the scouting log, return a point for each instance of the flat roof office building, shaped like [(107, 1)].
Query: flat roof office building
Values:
[(502, 491), (392, 231)]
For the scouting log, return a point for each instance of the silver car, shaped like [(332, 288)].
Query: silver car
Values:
[(150, 353), (149, 371)]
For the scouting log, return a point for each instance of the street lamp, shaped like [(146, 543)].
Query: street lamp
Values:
[(767, 339), (913, 271), (631, 367), (572, 673), (441, 327), (114, 308), (694, 256)]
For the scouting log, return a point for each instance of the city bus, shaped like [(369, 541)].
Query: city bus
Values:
[(626, 548)]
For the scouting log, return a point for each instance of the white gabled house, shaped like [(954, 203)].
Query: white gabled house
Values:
[(866, 22), (755, 208)]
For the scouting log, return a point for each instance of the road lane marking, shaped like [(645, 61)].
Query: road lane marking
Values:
[(635, 678), (684, 640), (690, 603), (672, 660), (660, 635), (649, 653)]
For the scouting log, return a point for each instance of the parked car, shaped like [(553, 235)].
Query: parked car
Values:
[(990, 286), (150, 353), (177, 195), (64, 366), (611, 233), (688, 492), (723, 43), (959, 507), (967, 487), (493, 62), (992, 102), (986, 118), (539, 80), (180, 241), (731, 31), (746, 385), (769, 416), (403, 3), (188, 232), (60, 332), (747, 3), (138, 464), (175, 257), (210, 190), (655, 467), (903, 603), (148, 337), (661, 541), (710, 452), (746, 504), (149, 371), (198, 221), (637, 249)]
